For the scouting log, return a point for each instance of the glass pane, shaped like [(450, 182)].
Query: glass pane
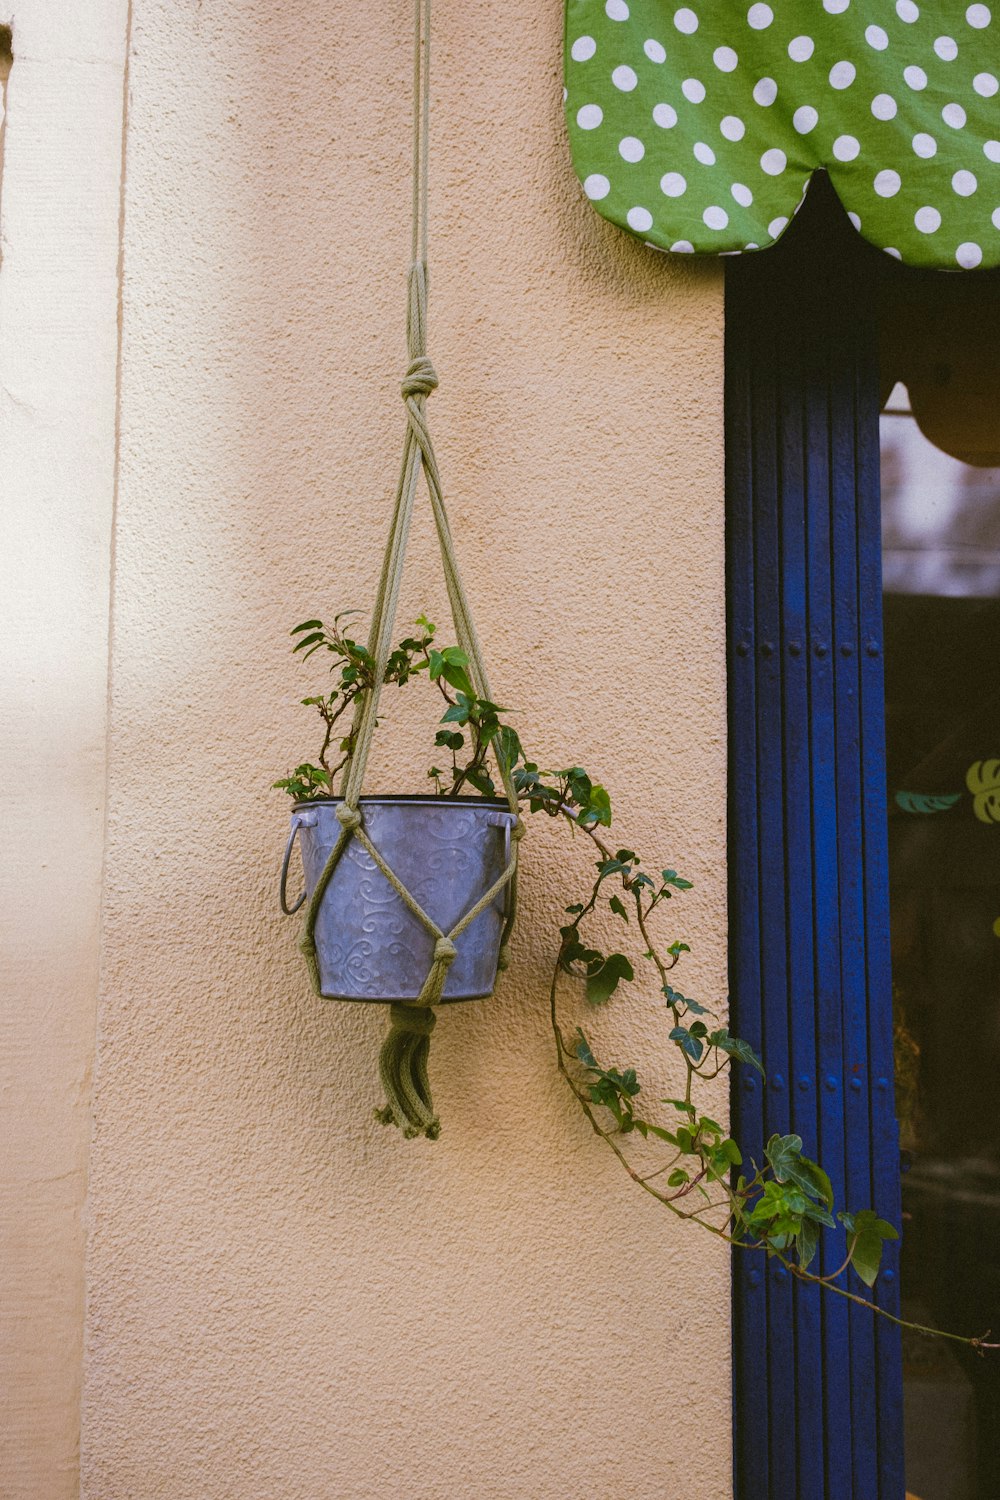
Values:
[(941, 567)]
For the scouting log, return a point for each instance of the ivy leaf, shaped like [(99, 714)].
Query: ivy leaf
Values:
[(574, 952), (736, 1048), (315, 638), (618, 908), (584, 1053), (819, 1182), (597, 809), (457, 678), (671, 877), (688, 1044), (579, 783), (866, 1258), (807, 1242), (460, 711), (304, 783), (674, 997), (449, 664), (603, 982), (482, 781), (507, 746), (871, 1231), (784, 1152), (611, 1088), (817, 1213)]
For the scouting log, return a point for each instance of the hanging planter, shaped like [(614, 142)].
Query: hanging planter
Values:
[(376, 941), (409, 900)]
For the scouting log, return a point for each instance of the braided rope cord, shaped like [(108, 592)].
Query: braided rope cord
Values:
[(403, 1061)]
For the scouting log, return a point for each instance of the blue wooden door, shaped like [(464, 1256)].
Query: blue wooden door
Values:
[(817, 1381)]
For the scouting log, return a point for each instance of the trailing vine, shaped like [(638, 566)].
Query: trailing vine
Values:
[(776, 1207)]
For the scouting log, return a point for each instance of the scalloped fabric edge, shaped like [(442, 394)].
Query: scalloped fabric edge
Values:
[(697, 127)]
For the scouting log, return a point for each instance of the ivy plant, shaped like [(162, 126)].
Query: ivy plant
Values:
[(776, 1206), (469, 728)]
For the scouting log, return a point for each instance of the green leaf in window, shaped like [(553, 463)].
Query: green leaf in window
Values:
[(920, 802)]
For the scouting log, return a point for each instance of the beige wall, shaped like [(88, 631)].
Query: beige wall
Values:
[(59, 216), (284, 1299)]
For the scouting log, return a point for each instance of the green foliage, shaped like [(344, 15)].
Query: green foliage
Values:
[(304, 783), (779, 1207), (689, 1039), (352, 669), (736, 1048), (569, 792), (604, 978), (784, 1153), (472, 728), (869, 1233), (683, 1003), (612, 1090), (919, 802)]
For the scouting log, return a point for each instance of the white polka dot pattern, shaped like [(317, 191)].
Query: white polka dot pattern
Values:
[(698, 126)]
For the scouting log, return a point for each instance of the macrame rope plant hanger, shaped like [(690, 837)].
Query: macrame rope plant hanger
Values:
[(403, 1060)]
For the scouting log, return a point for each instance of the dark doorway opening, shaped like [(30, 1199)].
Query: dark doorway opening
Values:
[(940, 503)]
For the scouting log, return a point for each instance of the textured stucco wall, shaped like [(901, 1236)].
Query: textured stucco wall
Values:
[(284, 1299), (59, 218)]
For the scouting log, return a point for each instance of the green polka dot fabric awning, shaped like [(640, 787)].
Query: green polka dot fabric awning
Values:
[(697, 127)]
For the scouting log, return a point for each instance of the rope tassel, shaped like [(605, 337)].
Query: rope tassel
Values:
[(402, 1068)]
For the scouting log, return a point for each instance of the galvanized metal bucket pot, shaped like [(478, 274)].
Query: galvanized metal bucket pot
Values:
[(447, 851)]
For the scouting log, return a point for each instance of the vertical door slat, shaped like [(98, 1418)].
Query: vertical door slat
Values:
[(750, 1404), (809, 887), (799, 1084)]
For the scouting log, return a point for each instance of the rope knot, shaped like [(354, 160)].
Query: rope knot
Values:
[(420, 378), (517, 831), (412, 1020), (349, 818), (445, 951)]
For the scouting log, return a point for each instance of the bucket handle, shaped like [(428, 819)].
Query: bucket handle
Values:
[(506, 822), (297, 823)]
